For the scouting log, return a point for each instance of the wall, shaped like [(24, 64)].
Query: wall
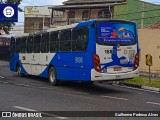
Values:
[(132, 11), (78, 16), (94, 13), (149, 41)]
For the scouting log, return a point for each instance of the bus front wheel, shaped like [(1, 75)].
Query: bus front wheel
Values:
[(52, 77), (19, 71)]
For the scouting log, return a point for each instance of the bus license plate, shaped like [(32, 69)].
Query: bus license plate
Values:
[(117, 68)]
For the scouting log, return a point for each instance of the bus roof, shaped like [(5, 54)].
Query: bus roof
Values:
[(62, 27), (83, 23), (22, 35)]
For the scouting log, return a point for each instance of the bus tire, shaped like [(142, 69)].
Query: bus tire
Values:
[(19, 71), (52, 77)]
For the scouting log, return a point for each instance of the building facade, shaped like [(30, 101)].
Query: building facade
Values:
[(39, 18), (42, 17), (73, 11), (143, 13), (36, 18)]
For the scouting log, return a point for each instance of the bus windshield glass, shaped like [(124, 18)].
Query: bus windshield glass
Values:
[(113, 33)]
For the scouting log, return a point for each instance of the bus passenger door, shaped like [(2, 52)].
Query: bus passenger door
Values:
[(36, 55), (29, 55), (35, 63)]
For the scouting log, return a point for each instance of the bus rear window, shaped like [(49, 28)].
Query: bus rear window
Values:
[(113, 33)]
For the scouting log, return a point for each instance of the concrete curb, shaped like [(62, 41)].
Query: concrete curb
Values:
[(142, 87), (151, 88), (130, 85)]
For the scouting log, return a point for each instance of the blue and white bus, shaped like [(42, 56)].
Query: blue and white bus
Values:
[(95, 50)]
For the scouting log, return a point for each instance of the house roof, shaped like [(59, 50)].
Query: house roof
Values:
[(88, 5), (75, 2), (154, 26)]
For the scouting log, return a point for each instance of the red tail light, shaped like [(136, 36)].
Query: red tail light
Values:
[(96, 62), (136, 62)]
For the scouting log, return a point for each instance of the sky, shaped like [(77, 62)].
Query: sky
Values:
[(52, 2), (153, 1)]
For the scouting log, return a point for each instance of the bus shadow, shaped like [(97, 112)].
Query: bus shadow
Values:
[(93, 89), (90, 88), (32, 79)]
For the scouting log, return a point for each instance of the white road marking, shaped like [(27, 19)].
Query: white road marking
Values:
[(153, 103), (1, 77), (46, 88), (4, 82), (82, 93), (115, 98), (43, 87), (138, 89), (22, 108), (15, 84), (62, 118), (31, 110), (22, 84)]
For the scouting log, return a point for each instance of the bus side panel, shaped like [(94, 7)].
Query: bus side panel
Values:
[(77, 65), (13, 62), (73, 74), (45, 73), (72, 66)]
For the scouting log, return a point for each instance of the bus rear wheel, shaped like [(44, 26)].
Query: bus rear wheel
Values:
[(52, 77)]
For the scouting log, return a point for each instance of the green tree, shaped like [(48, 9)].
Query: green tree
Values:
[(8, 25)]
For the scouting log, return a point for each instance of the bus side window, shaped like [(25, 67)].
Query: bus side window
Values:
[(18, 45), (23, 45), (80, 39), (30, 44), (45, 43), (37, 41), (54, 41), (65, 40)]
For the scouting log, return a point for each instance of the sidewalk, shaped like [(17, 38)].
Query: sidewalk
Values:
[(2, 63), (145, 75)]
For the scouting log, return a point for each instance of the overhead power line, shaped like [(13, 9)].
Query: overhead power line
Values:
[(145, 18)]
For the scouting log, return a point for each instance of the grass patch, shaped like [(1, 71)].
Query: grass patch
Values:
[(143, 82)]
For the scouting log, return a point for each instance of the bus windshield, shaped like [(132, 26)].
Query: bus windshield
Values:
[(113, 33)]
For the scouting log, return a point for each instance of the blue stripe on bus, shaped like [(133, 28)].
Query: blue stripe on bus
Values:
[(72, 70)]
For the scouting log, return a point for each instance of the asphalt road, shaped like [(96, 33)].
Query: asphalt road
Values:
[(36, 94)]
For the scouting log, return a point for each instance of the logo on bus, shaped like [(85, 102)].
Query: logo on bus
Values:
[(78, 59)]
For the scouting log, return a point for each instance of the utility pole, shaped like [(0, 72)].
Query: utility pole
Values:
[(142, 19)]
